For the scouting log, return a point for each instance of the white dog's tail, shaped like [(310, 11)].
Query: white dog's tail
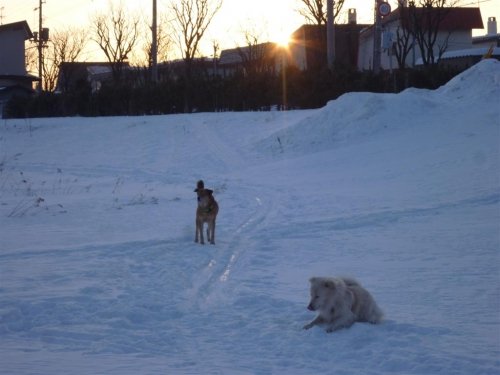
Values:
[(349, 281)]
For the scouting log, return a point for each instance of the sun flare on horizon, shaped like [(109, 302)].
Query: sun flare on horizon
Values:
[(281, 38)]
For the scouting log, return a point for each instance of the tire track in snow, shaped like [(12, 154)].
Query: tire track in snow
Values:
[(225, 275), (208, 284)]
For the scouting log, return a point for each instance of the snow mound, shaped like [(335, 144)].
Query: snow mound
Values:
[(356, 116), (481, 81)]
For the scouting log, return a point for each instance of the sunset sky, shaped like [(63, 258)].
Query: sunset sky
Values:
[(271, 19)]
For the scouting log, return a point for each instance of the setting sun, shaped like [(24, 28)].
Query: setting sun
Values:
[(282, 38), (272, 21)]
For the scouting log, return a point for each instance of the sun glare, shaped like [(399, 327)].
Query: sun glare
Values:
[(280, 30), (281, 37)]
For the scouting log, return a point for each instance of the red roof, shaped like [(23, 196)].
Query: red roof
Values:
[(449, 18)]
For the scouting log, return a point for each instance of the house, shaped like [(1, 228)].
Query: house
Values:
[(14, 80), (308, 44), (464, 59), (482, 46), (176, 69), (454, 33), (74, 76), (91, 76), (491, 39), (256, 58)]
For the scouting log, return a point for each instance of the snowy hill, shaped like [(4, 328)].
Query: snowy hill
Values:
[(99, 272)]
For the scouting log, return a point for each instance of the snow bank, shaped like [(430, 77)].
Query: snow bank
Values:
[(357, 116), (480, 83)]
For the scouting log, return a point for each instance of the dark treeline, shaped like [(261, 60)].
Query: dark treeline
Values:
[(295, 89)]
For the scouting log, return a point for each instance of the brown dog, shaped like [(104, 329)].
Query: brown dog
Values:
[(205, 213)]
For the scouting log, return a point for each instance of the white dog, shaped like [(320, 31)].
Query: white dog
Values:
[(340, 302)]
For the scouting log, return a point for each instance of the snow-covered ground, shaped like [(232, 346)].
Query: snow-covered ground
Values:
[(99, 273)]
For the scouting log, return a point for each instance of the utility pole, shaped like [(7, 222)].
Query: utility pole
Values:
[(40, 47), (330, 34), (154, 47), (377, 38)]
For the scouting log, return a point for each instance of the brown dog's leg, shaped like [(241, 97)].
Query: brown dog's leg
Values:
[(199, 232), (202, 240), (196, 232), (212, 232)]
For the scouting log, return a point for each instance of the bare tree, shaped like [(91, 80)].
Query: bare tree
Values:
[(404, 38), (164, 43), (192, 17), (425, 19), (31, 58), (314, 11), (116, 33), (64, 46), (143, 56), (256, 57), (403, 45)]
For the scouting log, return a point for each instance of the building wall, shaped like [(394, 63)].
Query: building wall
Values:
[(457, 40), (298, 50), (308, 46), (487, 41), (12, 60), (365, 54)]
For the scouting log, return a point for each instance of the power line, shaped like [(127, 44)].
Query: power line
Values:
[(477, 2)]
